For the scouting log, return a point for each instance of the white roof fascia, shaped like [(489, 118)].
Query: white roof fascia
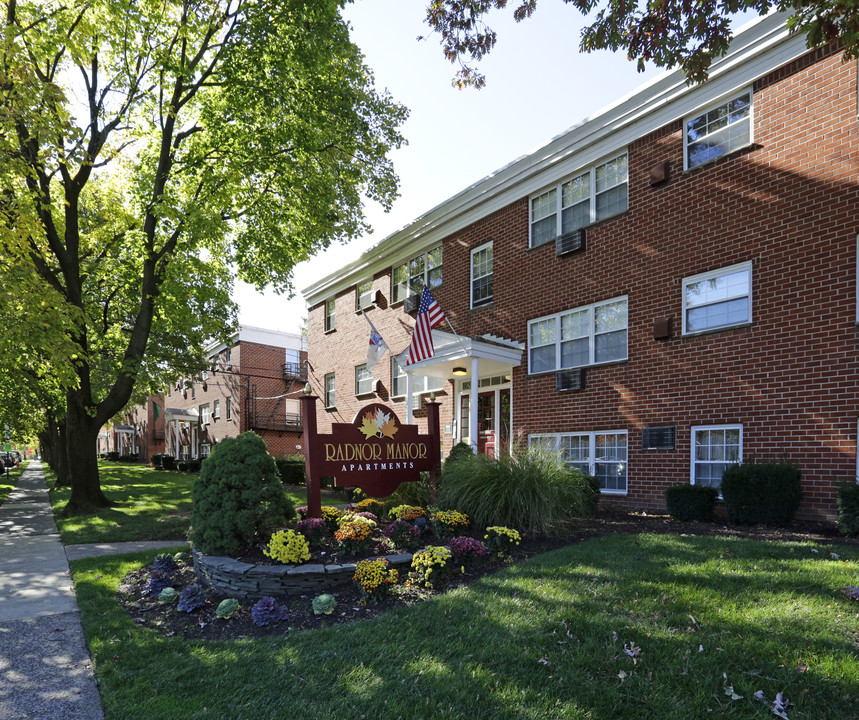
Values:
[(262, 336), (759, 47)]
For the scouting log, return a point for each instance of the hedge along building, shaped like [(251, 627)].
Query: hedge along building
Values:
[(253, 382), (665, 288)]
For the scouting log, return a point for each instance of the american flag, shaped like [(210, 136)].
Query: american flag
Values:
[(429, 315)]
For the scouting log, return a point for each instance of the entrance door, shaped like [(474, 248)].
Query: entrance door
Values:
[(493, 420), (486, 423)]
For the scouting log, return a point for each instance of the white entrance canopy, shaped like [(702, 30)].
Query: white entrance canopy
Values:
[(465, 357), (179, 416)]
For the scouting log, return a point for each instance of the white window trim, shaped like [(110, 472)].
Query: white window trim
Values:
[(700, 428), (703, 111), (333, 391), (420, 384), (216, 410), (359, 296), (590, 170), (205, 414), (326, 316), (407, 264), (474, 251), (229, 408), (592, 334), (358, 391), (709, 276), (592, 436)]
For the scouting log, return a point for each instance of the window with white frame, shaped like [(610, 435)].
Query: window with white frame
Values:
[(229, 408), (593, 195), (421, 384), (205, 417), (330, 323), (601, 454), (481, 275), (205, 449), (216, 409), (718, 130), (293, 411), (363, 295), (718, 299), (588, 335), (714, 448), (424, 270), (330, 394), (363, 380)]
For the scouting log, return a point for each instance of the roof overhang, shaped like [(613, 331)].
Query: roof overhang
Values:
[(181, 414), (495, 355)]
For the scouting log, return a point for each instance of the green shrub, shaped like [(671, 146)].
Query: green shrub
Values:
[(129, 458), (848, 508), (531, 490), (420, 492), (112, 455), (291, 470), (238, 498), (163, 461), (764, 492), (460, 451), (691, 502)]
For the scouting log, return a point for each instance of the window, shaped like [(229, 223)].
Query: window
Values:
[(598, 193), (229, 358), (330, 396), (229, 409), (216, 409), (601, 454), (293, 411), (718, 131), (363, 295), (481, 275), (713, 449), (193, 389), (588, 335), (329, 315), (205, 418), (422, 271), (205, 449), (717, 299), (363, 380), (421, 384), (204, 375)]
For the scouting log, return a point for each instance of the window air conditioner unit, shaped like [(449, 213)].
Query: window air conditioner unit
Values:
[(411, 303), (570, 379), (658, 438), (570, 242), (367, 301)]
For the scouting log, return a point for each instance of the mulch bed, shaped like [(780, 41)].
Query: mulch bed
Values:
[(202, 623)]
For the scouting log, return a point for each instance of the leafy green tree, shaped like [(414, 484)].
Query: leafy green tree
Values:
[(688, 34), (149, 152)]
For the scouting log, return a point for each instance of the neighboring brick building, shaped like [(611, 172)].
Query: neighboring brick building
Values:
[(253, 383), (140, 433), (664, 288)]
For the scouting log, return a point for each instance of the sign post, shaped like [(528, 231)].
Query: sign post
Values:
[(375, 452)]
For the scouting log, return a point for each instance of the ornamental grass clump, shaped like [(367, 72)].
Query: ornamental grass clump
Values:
[(448, 523), (467, 549), (403, 534), (408, 513), (502, 540), (432, 565), (192, 598), (267, 611), (238, 498), (355, 538), (531, 490), (314, 529), (288, 547), (374, 578)]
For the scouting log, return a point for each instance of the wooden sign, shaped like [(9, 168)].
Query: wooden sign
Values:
[(375, 452)]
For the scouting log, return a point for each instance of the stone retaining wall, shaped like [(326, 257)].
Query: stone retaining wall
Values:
[(245, 581)]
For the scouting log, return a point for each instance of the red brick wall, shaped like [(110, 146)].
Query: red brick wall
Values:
[(787, 205)]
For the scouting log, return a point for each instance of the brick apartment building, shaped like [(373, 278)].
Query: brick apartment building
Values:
[(666, 287), (251, 383)]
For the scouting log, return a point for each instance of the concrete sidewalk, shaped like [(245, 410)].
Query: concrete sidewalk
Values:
[(44, 664)]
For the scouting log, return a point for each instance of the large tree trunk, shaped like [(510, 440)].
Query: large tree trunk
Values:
[(81, 436), (53, 442)]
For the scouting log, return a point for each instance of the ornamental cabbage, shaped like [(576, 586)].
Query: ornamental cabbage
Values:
[(324, 604), (226, 608)]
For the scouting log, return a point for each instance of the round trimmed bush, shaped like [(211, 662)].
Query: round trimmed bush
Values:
[(762, 492), (691, 502), (238, 498)]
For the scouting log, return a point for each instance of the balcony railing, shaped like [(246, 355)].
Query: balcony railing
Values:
[(295, 371)]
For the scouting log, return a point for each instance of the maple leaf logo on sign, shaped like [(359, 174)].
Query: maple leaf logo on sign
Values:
[(379, 424)]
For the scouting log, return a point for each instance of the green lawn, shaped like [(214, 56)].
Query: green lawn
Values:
[(152, 505), (9, 481), (638, 627)]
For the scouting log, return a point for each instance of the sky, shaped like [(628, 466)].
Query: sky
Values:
[(538, 85)]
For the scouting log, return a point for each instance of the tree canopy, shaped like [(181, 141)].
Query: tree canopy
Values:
[(151, 151), (688, 34)]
